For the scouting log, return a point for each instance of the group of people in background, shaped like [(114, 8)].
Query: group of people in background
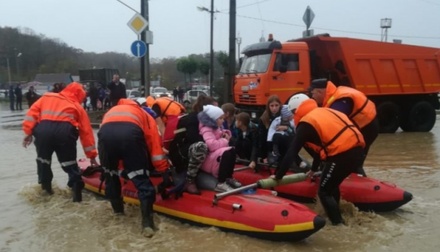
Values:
[(336, 126), (102, 97), (15, 97), (178, 94)]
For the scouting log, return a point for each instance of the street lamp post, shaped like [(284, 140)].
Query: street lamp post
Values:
[(238, 39), (211, 54), (18, 68), (9, 71)]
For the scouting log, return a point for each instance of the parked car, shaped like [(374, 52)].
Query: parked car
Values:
[(191, 96), (160, 92), (204, 88), (133, 94)]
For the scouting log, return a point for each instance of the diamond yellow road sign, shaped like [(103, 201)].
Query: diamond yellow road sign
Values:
[(137, 23)]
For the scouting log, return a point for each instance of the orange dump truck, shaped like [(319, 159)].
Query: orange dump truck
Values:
[(402, 80)]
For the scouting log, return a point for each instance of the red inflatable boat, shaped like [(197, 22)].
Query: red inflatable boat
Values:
[(366, 193), (256, 213)]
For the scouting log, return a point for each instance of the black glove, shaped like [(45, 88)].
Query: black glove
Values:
[(167, 178)]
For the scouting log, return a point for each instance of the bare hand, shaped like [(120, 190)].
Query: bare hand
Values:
[(27, 141), (310, 174), (281, 128), (252, 165), (226, 136), (165, 151), (273, 177)]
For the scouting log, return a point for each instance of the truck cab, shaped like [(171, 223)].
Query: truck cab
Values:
[(271, 68)]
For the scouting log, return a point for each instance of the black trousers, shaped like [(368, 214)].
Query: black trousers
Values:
[(58, 137), (125, 141), (335, 170), (370, 133), (227, 164)]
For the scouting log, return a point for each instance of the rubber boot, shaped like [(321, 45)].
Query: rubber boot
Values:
[(47, 186), (190, 186), (331, 207), (77, 191), (148, 228), (118, 206)]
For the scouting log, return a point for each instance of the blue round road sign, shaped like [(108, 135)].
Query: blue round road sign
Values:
[(138, 48)]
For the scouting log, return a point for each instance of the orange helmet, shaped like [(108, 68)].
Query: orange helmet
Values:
[(303, 109)]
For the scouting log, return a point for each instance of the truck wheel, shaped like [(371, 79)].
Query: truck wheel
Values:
[(388, 115), (421, 118)]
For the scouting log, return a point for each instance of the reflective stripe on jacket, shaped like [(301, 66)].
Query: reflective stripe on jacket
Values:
[(364, 110), (129, 111), (169, 107), (337, 133), (63, 107)]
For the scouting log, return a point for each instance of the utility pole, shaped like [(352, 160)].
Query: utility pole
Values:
[(228, 96), (211, 54), (211, 48), (145, 60)]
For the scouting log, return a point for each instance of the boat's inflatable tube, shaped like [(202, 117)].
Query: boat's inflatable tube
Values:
[(257, 213), (366, 193)]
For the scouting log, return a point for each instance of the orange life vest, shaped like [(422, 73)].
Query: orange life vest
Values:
[(364, 110), (129, 111), (63, 107), (337, 133), (169, 107)]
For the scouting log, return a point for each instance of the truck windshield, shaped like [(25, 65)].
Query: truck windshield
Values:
[(255, 63)]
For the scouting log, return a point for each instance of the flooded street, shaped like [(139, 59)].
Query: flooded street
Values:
[(33, 221)]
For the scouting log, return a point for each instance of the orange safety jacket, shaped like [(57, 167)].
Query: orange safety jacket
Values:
[(129, 111), (63, 107), (169, 107), (337, 133), (364, 110)]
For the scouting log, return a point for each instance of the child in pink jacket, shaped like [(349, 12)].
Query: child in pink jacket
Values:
[(220, 161)]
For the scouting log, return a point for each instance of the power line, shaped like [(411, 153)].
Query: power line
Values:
[(329, 29), (246, 5)]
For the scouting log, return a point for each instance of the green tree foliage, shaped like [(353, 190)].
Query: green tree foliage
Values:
[(223, 59), (204, 67), (187, 66), (40, 54)]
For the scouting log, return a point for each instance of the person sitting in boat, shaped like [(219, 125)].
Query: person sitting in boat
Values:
[(273, 109), (280, 134), (246, 145), (220, 160), (229, 124), (188, 150), (337, 144), (129, 134)]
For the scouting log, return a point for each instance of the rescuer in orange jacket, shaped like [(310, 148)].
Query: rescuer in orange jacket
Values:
[(130, 134), (334, 141), (354, 104), (56, 120), (165, 107)]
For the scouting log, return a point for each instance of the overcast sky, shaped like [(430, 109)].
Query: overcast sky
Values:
[(180, 29)]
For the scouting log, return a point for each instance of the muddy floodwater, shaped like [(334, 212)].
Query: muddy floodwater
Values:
[(33, 221)]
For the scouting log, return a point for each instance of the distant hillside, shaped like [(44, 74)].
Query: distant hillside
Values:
[(40, 54)]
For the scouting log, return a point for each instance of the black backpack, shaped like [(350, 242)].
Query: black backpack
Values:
[(178, 149)]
